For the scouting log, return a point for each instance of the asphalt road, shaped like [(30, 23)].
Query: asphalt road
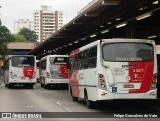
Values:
[(56, 104)]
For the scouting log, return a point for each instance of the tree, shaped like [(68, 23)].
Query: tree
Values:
[(28, 34), (5, 38), (19, 38)]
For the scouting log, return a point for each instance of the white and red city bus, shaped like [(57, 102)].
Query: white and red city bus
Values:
[(111, 69), (53, 70), (20, 70)]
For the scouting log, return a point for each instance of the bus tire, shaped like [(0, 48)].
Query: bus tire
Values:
[(89, 103), (45, 86), (73, 98), (42, 85), (6, 85), (30, 86), (10, 86)]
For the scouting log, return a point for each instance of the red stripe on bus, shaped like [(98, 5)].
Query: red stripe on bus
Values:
[(142, 73), (63, 71), (73, 82), (73, 53), (28, 72)]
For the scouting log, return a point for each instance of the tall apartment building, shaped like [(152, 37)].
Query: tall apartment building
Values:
[(18, 25), (47, 22)]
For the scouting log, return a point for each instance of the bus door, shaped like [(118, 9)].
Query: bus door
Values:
[(129, 67)]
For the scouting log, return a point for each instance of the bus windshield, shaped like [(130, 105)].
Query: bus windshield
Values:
[(128, 52), (21, 61), (58, 60)]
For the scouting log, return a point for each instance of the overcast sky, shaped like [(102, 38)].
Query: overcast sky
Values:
[(13, 10)]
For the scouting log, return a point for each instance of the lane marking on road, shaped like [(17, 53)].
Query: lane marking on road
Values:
[(26, 106), (58, 103), (30, 106), (68, 110), (52, 99)]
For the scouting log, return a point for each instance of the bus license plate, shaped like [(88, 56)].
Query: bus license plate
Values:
[(23, 78), (128, 86)]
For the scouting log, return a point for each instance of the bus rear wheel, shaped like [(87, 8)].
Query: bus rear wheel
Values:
[(30, 86), (42, 85), (89, 103), (73, 98), (10, 85), (46, 86)]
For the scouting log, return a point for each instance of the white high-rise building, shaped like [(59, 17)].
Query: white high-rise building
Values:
[(18, 25), (47, 22)]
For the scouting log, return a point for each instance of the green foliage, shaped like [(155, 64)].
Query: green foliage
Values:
[(3, 49), (19, 38), (28, 34), (5, 38), (5, 35)]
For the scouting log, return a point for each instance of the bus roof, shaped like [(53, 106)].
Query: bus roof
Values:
[(9, 56), (45, 57), (114, 40), (85, 47), (127, 40)]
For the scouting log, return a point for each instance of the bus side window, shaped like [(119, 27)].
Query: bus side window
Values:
[(75, 62), (52, 60), (71, 67), (39, 64), (80, 61), (43, 64), (86, 59), (93, 57)]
